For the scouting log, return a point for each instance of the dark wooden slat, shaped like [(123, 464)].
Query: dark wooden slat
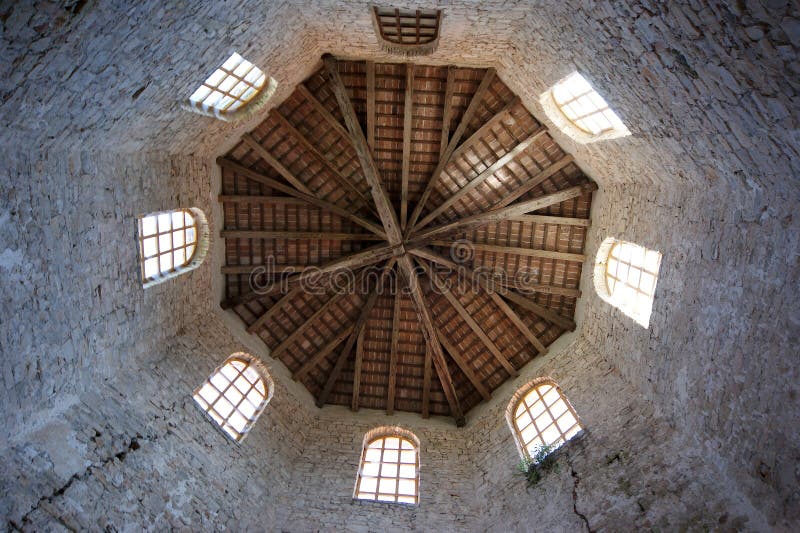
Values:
[(371, 104), (333, 301), (488, 78), (323, 111), (497, 215), (261, 320), (380, 198), (534, 181), (447, 111), (426, 384), (266, 180), (548, 219), (323, 353)]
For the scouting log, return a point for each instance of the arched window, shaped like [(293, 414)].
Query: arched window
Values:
[(541, 416), (235, 395), (389, 469), (625, 276), (234, 91), (580, 112), (170, 243)]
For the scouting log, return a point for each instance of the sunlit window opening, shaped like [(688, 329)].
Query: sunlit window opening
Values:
[(167, 242), (389, 470), (231, 86), (585, 109), (544, 418), (234, 395), (631, 273)]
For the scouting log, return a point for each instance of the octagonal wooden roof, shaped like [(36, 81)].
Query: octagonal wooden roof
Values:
[(403, 237)]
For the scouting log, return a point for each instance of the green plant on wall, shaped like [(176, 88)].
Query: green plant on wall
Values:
[(538, 463)]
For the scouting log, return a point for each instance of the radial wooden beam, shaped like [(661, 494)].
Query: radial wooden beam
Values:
[(479, 134), (488, 78), (269, 313), (298, 331), (313, 200), (431, 337), (514, 250), (264, 154), (352, 261), (323, 111), (297, 235), (379, 196), (455, 303), (263, 269), (426, 383), (323, 353), (447, 109), (498, 215), (342, 180), (371, 110), (408, 124), (455, 354), (547, 219), (261, 200), (393, 355), (484, 283), (533, 181), (357, 370), (482, 177)]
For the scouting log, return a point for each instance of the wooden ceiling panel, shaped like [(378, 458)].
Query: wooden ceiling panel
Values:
[(446, 144)]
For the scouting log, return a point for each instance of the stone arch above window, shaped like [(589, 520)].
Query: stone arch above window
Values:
[(171, 243), (540, 415), (389, 467), (410, 32), (235, 394), (625, 276), (580, 112), (234, 91)]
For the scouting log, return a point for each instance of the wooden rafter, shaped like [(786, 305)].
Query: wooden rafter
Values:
[(371, 111), (529, 185), (323, 111), (297, 235), (298, 331), (408, 124), (516, 250), (313, 200), (264, 154), (483, 176), (379, 195), (393, 355), (447, 113), (455, 355)]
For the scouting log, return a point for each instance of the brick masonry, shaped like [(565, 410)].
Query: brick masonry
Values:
[(691, 423)]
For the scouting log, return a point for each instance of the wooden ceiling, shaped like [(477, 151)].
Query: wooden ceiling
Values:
[(461, 221)]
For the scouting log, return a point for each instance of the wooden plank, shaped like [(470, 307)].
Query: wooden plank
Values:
[(323, 111), (548, 219), (426, 383), (487, 126), (371, 104), (466, 317), (337, 175), (395, 339), (538, 287), (482, 177), (534, 181), (408, 124), (263, 269), (334, 300), (360, 259), (455, 354), (431, 337), (266, 180), (447, 111), (482, 280), (261, 320), (504, 213), (264, 154), (379, 196), (357, 370), (267, 200), (297, 235), (323, 353), (528, 252), (488, 78)]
